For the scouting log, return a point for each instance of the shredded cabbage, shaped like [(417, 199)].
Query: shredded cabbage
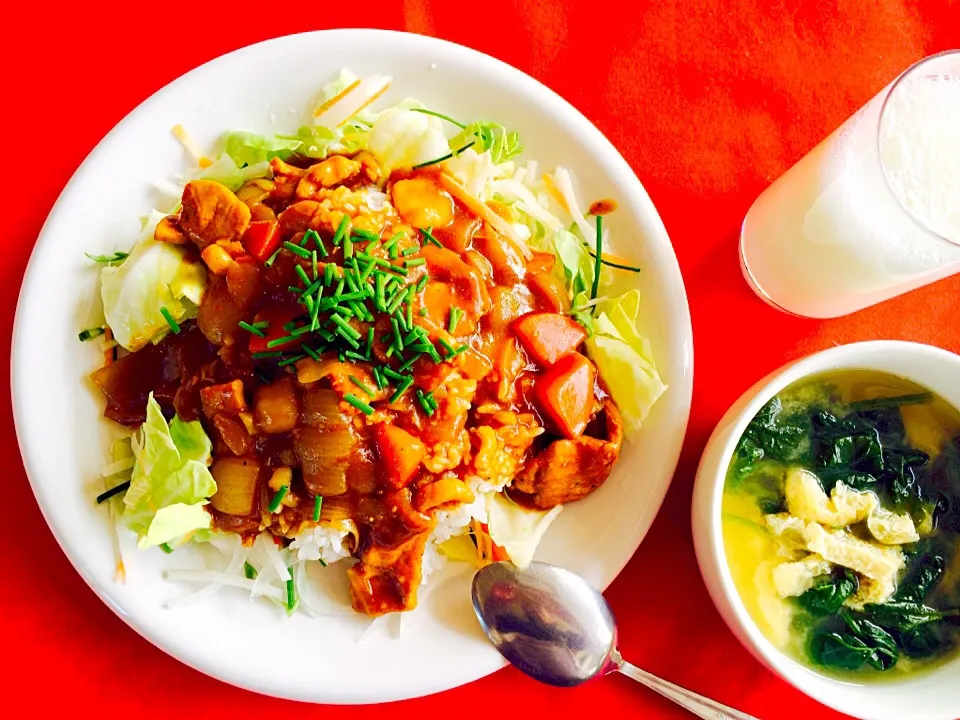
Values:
[(170, 482), (402, 138), (247, 148), (517, 529), (155, 275)]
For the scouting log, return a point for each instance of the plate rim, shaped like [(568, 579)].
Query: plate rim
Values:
[(682, 383)]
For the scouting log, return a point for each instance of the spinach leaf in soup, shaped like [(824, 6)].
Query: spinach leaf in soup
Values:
[(827, 596), (905, 617), (923, 573), (848, 642)]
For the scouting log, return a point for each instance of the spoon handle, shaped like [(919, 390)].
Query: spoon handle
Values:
[(697, 704)]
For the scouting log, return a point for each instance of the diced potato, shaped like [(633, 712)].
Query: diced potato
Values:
[(217, 259), (324, 456), (420, 202), (280, 477), (321, 408), (227, 397), (326, 174), (275, 407), (237, 480), (233, 433)]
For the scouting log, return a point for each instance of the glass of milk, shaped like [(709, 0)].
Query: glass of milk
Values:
[(871, 212)]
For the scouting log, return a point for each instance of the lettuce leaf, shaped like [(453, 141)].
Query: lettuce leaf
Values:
[(575, 259), (170, 482), (624, 358), (517, 529), (485, 135), (402, 138), (247, 148), (155, 275)]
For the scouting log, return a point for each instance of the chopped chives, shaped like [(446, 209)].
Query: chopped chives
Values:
[(409, 313), (598, 261), (397, 338), (461, 349), (347, 339), (313, 263), (276, 342), (423, 282), (416, 262), (455, 315), (292, 600), (297, 250), (360, 384), (249, 571), (340, 283), (302, 330), (355, 295), (313, 287), (379, 299), (428, 236), (317, 504), (170, 321), (302, 274), (166, 548), (369, 350), (91, 333), (251, 328), (354, 356), (294, 289), (446, 346), (115, 490), (345, 326), (413, 249), (272, 258), (315, 311), (424, 403), (367, 270), (323, 563), (389, 352), (318, 241), (341, 231), (347, 246), (365, 234), (310, 351), (423, 311), (358, 404), (378, 378), (278, 498), (393, 374), (401, 389), (268, 354), (394, 251), (397, 301), (409, 364), (328, 274), (290, 360)]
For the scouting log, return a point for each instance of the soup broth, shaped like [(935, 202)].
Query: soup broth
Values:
[(841, 514)]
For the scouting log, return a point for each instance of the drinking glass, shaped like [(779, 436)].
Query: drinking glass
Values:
[(872, 211)]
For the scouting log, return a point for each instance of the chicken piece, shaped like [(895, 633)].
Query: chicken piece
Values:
[(332, 171), (211, 212), (387, 579), (167, 231), (807, 501), (568, 470), (286, 177), (299, 217)]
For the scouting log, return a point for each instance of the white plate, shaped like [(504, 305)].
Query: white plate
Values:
[(251, 644)]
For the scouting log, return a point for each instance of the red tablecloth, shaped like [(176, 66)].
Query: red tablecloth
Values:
[(708, 100)]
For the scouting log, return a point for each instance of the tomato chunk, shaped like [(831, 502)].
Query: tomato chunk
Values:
[(549, 337), (400, 453), (261, 239), (276, 318), (564, 394)]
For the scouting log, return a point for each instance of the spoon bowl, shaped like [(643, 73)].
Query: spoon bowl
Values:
[(558, 629)]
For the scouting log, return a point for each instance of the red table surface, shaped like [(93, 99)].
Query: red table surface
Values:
[(708, 101)]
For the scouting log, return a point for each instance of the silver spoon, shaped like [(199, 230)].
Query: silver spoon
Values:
[(556, 628)]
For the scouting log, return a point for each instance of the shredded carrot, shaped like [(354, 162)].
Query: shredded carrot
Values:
[(367, 104), (337, 98), (554, 191)]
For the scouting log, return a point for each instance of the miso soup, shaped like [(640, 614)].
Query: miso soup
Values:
[(841, 514)]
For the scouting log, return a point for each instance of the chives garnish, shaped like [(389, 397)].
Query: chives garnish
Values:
[(347, 246), (166, 548), (394, 251), (340, 283), (398, 299), (413, 249), (281, 340), (392, 374), (317, 504), (409, 364), (310, 351), (323, 563), (401, 389), (345, 326), (428, 236), (347, 339), (416, 262), (423, 311), (461, 349), (251, 329), (313, 263), (115, 259), (423, 282), (365, 234), (424, 403), (292, 600), (354, 295), (302, 274), (390, 351), (290, 360), (328, 274), (397, 338), (341, 231), (369, 349), (409, 313), (367, 270), (446, 346), (278, 498), (297, 250), (91, 333), (314, 286), (360, 384), (326, 335), (268, 354), (249, 571), (302, 330), (115, 490), (598, 260), (170, 321), (354, 356), (294, 289), (455, 315), (378, 378), (358, 403), (271, 259)]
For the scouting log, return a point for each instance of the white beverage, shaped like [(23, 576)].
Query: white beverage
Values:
[(873, 210)]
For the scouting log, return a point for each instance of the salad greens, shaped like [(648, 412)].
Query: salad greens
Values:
[(170, 482)]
